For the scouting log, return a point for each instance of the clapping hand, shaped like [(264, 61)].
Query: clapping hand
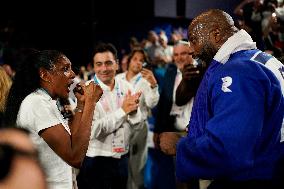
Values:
[(131, 102)]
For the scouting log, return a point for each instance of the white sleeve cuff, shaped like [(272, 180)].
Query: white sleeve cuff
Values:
[(135, 118), (119, 114)]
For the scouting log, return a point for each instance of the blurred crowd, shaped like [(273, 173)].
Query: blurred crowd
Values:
[(152, 71)]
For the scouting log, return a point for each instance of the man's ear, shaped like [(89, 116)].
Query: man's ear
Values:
[(117, 64), (215, 35), (44, 75)]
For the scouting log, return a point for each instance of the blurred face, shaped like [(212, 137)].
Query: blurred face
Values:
[(136, 62), (182, 54), (123, 63), (24, 164), (153, 37), (204, 48), (105, 67), (62, 77), (163, 41), (258, 3)]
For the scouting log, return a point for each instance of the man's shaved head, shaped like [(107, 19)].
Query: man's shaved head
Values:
[(208, 32)]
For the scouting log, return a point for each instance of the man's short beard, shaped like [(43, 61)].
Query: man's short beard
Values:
[(207, 53)]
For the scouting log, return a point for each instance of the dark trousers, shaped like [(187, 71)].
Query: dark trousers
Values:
[(251, 184), (162, 171), (103, 173)]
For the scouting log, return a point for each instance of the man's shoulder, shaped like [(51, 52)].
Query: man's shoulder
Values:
[(245, 61), (255, 58), (171, 68), (123, 84), (120, 75), (250, 65), (254, 55)]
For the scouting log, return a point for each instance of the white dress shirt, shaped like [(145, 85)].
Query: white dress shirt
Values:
[(149, 97), (111, 126), (182, 113)]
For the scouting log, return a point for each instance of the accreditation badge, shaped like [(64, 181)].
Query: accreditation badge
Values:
[(118, 143)]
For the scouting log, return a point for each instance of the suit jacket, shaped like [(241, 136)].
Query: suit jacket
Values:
[(164, 121)]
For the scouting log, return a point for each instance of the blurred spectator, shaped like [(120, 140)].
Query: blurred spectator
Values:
[(273, 35), (164, 52), (5, 84), (116, 115), (79, 75), (19, 162), (10, 61), (141, 79), (152, 45), (133, 43), (170, 117), (250, 14), (175, 38), (13, 58), (90, 71), (123, 64)]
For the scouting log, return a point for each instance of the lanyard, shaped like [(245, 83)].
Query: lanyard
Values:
[(96, 80), (136, 80), (118, 143), (108, 98)]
